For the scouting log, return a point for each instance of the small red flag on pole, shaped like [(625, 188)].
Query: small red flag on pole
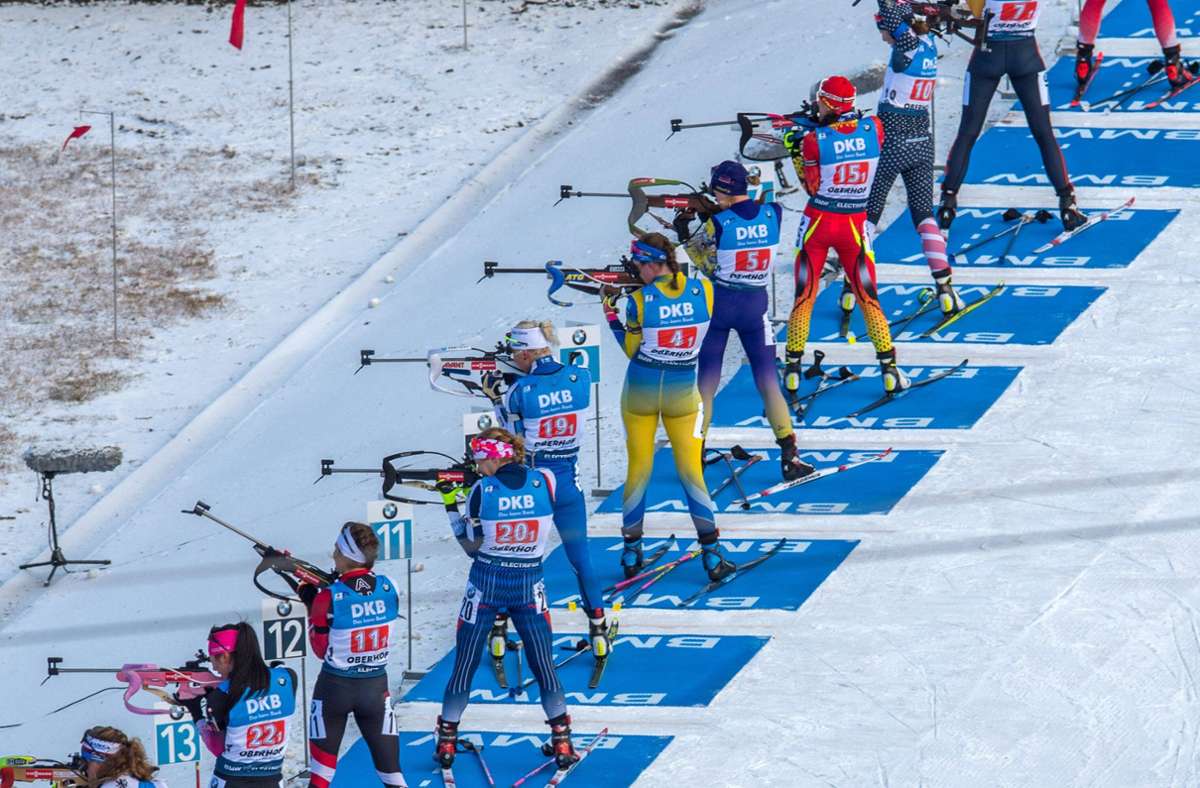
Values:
[(75, 134), (237, 31)]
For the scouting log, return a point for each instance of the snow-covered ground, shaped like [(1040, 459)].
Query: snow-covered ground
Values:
[(1025, 616)]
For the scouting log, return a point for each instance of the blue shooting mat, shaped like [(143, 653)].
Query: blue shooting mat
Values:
[(616, 760), (870, 489), (783, 582), (1131, 19), (954, 403), (1020, 315), (644, 670), (1117, 73), (1113, 243), (1008, 156)]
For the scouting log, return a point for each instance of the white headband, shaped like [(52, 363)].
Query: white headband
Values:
[(527, 339), (347, 547)]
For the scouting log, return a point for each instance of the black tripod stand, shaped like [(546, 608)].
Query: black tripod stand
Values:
[(57, 559)]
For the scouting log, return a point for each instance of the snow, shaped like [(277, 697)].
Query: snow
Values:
[(1026, 616)]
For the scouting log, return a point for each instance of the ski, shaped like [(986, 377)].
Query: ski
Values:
[(1172, 93), (580, 647), (741, 570), (602, 662), (966, 310), (664, 571), (1120, 97), (448, 776), (1092, 221), (1008, 215), (820, 473), (647, 563), (886, 398), (748, 463), (562, 774), (1083, 88), (927, 302)]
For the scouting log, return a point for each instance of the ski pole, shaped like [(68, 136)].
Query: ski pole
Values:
[(665, 570), (1008, 216), (469, 746), (521, 780), (1041, 217), (631, 580)]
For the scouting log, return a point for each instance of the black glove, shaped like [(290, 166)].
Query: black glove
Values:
[(193, 705), (307, 593)]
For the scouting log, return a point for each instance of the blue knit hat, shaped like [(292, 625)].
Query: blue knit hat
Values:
[(728, 177)]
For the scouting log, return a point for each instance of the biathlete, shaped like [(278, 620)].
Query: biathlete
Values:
[(1177, 72), (349, 628), (246, 719), (837, 163), (735, 250), (907, 152), (547, 407), (114, 760), (1010, 50), (665, 324), (504, 530)]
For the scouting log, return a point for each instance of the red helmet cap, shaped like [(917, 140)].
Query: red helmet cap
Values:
[(837, 93)]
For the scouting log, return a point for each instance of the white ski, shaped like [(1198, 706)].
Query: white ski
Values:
[(1092, 221)]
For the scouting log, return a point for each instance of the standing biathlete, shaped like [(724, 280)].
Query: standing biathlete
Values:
[(246, 719), (665, 323), (547, 407), (1177, 72), (1010, 50), (508, 519), (837, 163), (737, 252), (904, 104), (350, 628)]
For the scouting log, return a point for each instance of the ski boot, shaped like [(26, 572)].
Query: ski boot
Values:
[(715, 562), (948, 299), (792, 371), (598, 636), (1068, 211), (894, 379), (632, 559), (1085, 63), (792, 466), (559, 746), (1177, 71), (447, 743), (947, 210)]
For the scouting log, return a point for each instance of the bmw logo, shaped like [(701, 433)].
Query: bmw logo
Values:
[(389, 511), (284, 609), (484, 422), (579, 337)]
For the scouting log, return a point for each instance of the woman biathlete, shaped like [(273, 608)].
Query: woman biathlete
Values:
[(508, 519), (249, 713), (1011, 51), (737, 250), (904, 103), (1177, 72), (116, 761), (665, 324), (547, 407), (349, 627)]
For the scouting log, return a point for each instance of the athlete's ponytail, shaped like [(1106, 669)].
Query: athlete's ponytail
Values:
[(128, 760), (661, 242)]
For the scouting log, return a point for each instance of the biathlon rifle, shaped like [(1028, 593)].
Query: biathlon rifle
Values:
[(761, 134), (293, 570), (461, 365), (585, 280), (28, 769), (460, 472), (190, 681), (641, 203)]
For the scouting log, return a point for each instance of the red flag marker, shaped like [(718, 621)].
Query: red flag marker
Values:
[(75, 134), (237, 30)]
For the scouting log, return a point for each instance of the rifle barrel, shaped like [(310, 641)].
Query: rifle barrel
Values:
[(519, 270), (710, 124), (376, 360), (333, 470), (204, 512)]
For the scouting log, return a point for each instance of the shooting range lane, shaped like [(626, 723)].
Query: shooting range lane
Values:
[(616, 760), (1111, 244), (1021, 314), (1131, 19), (1117, 74), (782, 583), (1133, 159), (873, 488), (957, 403)]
